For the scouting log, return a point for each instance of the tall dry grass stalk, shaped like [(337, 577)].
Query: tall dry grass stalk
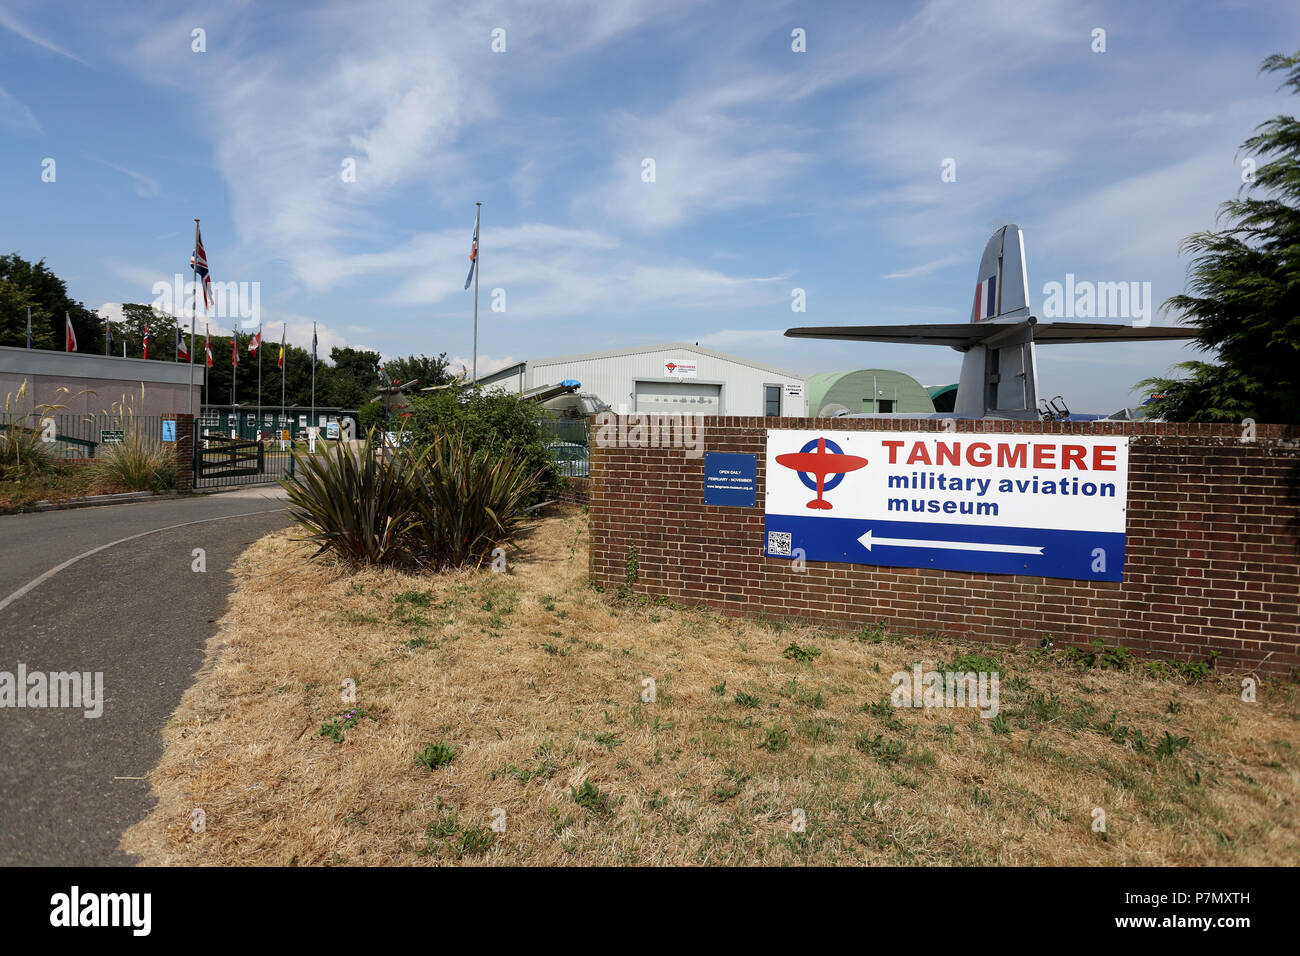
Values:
[(26, 434), (139, 463)]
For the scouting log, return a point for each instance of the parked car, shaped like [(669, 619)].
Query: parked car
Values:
[(574, 459)]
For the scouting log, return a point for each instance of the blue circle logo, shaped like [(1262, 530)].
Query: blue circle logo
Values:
[(832, 483)]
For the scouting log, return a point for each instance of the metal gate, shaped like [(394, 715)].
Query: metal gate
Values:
[(223, 462)]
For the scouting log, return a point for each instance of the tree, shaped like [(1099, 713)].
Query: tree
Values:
[(489, 421), (1244, 290), (351, 380), (419, 368), (48, 296), (162, 332), (14, 303)]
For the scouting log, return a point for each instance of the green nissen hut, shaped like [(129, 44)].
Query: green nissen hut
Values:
[(867, 390)]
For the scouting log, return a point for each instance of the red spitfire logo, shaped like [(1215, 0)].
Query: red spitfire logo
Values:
[(828, 459)]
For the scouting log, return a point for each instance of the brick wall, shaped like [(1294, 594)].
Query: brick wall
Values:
[(1211, 553)]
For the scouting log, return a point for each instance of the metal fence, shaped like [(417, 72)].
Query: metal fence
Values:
[(69, 435), (222, 462), (575, 431), (248, 421), (569, 442)]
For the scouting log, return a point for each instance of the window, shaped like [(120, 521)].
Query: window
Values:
[(886, 405), (772, 401)]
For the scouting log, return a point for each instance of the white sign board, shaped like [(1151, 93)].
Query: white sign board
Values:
[(793, 389), (1045, 505), (683, 368)]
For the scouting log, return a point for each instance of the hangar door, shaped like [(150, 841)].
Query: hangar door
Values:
[(678, 398)]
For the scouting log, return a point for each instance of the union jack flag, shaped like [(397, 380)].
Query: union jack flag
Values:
[(199, 263)]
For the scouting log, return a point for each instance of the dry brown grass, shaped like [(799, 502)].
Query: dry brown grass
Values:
[(537, 681)]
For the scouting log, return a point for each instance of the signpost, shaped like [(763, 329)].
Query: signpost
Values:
[(1000, 503), (730, 480)]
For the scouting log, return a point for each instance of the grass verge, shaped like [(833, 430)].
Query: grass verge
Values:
[(506, 719), (61, 483)]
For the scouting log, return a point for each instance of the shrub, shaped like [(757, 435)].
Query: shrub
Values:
[(137, 464), (469, 500), (442, 505), (355, 501), (22, 453), (487, 421), (372, 415)]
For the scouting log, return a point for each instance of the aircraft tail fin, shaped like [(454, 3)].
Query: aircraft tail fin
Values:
[(1002, 285), (1000, 375)]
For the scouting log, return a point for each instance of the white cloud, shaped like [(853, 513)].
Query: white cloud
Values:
[(392, 88), (703, 163), (925, 268), (15, 115), (1139, 221), (10, 21), (730, 338), (487, 364), (146, 187)]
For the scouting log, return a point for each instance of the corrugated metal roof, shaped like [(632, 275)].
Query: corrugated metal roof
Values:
[(640, 350)]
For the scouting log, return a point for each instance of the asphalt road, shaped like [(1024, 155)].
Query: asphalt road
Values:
[(134, 611)]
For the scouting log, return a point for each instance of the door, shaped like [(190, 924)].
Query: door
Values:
[(678, 398)]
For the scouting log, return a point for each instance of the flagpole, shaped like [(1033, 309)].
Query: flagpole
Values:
[(29, 326), (284, 367), (207, 344), (478, 267), (194, 314), (259, 379), (311, 422)]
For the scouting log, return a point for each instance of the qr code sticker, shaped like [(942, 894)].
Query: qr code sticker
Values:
[(778, 542)]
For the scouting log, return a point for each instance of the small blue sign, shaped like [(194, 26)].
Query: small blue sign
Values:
[(169, 429), (731, 480)]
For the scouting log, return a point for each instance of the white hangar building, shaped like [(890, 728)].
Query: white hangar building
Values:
[(673, 379)]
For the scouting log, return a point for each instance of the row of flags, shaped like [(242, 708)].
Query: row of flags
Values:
[(199, 263), (182, 349)]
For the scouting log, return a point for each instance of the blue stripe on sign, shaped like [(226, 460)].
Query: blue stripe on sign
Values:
[(1066, 554)]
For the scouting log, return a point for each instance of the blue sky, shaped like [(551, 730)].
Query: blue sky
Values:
[(775, 170)]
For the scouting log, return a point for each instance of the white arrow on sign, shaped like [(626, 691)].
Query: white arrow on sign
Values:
[(867, 541)]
